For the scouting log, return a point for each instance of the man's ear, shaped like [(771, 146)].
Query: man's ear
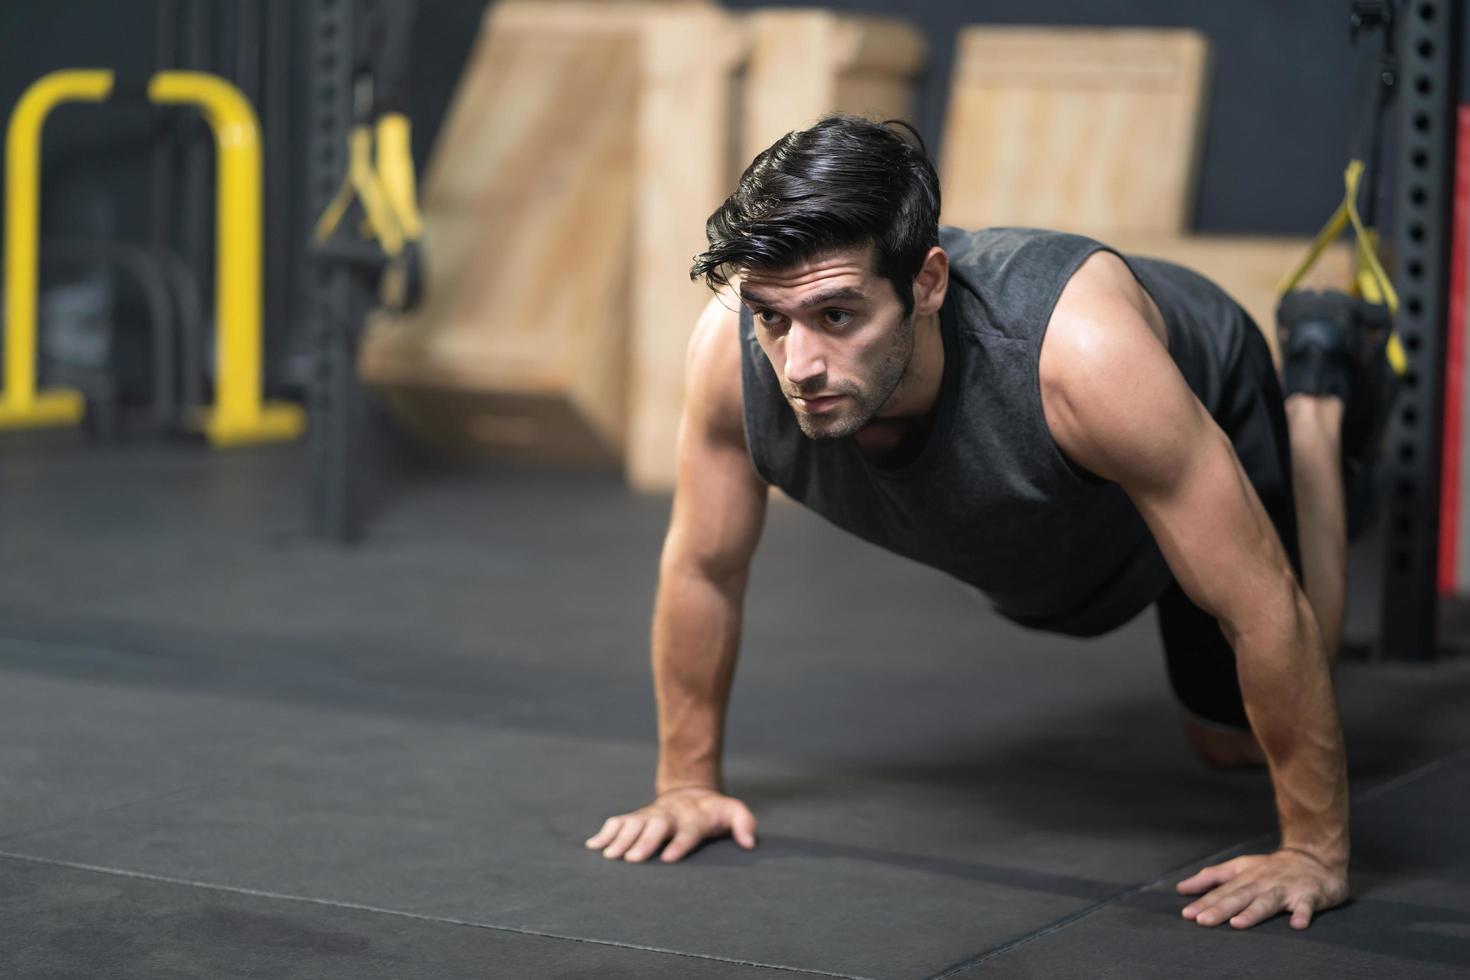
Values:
[(931, 283)]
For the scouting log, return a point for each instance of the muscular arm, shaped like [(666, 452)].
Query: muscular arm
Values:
[(1117, 405), (719, 508)]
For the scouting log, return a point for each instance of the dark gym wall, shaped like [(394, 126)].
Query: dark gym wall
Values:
[(1280, 112), (83, 142)]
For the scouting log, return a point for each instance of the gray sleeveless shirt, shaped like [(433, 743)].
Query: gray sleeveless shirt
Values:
[(990, 499)]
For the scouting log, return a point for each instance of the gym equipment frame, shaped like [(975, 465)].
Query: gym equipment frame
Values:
[(1430, 57), (239, 416)]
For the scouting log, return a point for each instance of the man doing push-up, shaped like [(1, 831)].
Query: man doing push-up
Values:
[(1078, 434)]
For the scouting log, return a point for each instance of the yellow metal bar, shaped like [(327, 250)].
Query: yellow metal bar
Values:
[(238, 415), (21, 406)]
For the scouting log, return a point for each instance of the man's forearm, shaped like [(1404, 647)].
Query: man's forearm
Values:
[(696, 636), (1287, 688)]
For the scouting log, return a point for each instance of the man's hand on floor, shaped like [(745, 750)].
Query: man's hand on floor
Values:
[(688, 815), (1255, 887)]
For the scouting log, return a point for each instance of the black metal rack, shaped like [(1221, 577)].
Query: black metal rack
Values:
[(1429, 35), (337, 297)]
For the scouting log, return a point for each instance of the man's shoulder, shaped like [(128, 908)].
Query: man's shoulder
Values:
[(1099, 350), (713, 368), (1102, 292), (1102, 309)]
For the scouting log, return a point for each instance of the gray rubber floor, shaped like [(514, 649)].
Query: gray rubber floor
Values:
[(227, 750)]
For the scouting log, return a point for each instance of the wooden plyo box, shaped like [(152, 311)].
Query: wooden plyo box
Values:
[(686, 116), (1074, 128), (530, 203), (806, 63)]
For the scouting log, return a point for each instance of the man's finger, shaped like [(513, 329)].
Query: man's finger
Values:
[(627, 834), (1259, 910), (609, 828), (1201, 910), (655, 832), (1224, 905), (1214, 897), (681, 845), (742, 828), (1207, 878), (1301, 914)]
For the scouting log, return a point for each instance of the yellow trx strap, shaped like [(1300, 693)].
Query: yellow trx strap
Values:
[(380, 177), (362, 181), (1371, 280), (395, 170)]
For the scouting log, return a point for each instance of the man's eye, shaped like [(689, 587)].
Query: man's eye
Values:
[(768, 317), (838, 318)]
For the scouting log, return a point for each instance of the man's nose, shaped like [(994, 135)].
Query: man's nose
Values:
[(805, 360)]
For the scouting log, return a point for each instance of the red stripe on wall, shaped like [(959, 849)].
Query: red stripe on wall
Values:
[(1454, 378)]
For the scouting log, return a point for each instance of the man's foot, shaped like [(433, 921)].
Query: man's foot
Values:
[(1333, 344), (1221, 748), (1314, 332)]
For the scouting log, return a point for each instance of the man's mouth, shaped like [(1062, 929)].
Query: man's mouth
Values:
[(819, 403)]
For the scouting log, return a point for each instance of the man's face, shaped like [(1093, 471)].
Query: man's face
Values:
[(835, 333)]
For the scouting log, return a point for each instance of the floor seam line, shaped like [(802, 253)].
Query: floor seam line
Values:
[(1367, 796), (1084, 913), (414, 916)]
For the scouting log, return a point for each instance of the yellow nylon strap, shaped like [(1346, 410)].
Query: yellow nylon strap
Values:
[(1367, 284), (1371, 281), (1370, 272), (362, 182), (331, 216), (395, 173)]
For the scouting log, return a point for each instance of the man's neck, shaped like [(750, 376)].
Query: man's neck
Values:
[(899, 431)]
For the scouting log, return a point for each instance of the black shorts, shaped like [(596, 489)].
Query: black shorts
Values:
[(1252, 413)]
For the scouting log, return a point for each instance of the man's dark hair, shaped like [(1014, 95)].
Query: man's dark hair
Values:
[(845, 182)]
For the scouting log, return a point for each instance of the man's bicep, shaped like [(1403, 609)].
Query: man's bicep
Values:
[(719, 499), (1215, 533)]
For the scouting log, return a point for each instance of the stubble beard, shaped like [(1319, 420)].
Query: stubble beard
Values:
[(863, 406)]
